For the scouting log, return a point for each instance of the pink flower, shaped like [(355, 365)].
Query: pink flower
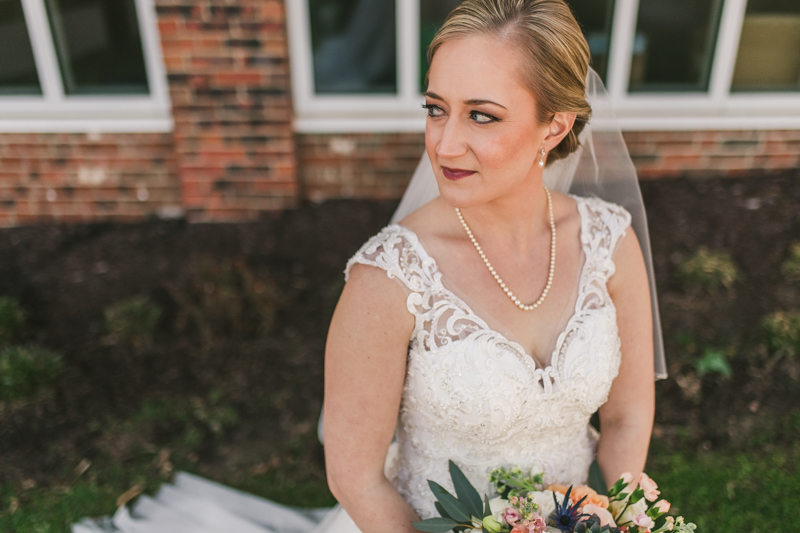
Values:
[(627, 477), (512, 516), (537, 524), (649, 487), (662, 506), (643, 521), (605, 517)]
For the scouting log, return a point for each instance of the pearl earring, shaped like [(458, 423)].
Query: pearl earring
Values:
[(541, 157)]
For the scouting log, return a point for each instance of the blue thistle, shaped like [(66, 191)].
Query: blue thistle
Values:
[(565, 515)]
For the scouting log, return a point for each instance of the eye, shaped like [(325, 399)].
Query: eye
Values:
[(434, 111), (482, 118)]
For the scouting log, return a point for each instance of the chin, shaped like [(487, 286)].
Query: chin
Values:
[(462, 193)]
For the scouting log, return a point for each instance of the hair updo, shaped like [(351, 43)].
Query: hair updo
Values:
[(555, 55)]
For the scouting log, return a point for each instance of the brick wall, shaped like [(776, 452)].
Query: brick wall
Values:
[(79, 177), (228, 73), (380, 165), (357, 165), (713, 153), (231, 153)]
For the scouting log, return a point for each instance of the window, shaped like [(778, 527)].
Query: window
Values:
[(668, 64), (674, 45), (768, 58), (17, 67), (353, 46), (81, 65)]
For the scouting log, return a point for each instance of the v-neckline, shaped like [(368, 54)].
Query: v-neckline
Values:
[(485, 325)]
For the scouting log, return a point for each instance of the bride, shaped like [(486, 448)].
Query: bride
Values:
[(489, 324)]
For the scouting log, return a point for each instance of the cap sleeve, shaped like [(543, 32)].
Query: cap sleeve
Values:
[(396, 250), (604, 225)]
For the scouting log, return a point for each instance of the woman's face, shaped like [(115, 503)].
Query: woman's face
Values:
[(482, 136)]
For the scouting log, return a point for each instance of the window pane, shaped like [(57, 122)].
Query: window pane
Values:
[(354, 46), (674, 45), (594, 16), (769, 48), (98, 45), (17, 66)]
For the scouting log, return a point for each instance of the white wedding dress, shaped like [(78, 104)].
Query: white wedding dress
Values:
[(471, 395)]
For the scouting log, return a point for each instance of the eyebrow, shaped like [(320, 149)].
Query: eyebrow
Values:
[(473, 101)]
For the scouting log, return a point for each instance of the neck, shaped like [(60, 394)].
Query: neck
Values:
[(512, 219)]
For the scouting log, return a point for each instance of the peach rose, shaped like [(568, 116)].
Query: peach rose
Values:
[(662, 506), (649, 487), (558, 488), (592, 498), (519, 528), (601, 512)]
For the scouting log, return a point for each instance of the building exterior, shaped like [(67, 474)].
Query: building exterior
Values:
[(219, 110)]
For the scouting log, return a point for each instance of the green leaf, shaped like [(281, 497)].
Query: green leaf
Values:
[(713, 361), (596, 480), (435, 525), (453, 507), (487, 510), (465, 491), (442, 512)]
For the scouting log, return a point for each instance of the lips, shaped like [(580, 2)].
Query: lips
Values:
[(456, 173)]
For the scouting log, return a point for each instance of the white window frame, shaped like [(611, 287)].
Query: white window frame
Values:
[(716, 109), (55, 112)]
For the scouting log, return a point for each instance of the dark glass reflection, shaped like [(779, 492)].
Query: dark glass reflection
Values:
[(17, 66), (354, 46), (769, 47), (674, 45), (98, 45), (594, 17)]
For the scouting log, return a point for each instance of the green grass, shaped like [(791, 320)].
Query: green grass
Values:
[(731, 491), (55, 509)]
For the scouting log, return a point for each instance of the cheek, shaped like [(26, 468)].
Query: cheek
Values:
[(510, 149)]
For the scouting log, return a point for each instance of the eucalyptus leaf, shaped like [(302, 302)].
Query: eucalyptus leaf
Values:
[(442, 512), (435, 525), (465, 491), (453, 507)]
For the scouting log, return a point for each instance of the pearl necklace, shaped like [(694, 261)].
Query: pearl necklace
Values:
[(517, 302)]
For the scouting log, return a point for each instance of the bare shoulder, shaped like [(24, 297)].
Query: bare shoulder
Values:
[(630, 272), (427, 220), (565, 209)]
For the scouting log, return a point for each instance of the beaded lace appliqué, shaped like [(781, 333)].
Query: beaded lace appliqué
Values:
[(474, 396)]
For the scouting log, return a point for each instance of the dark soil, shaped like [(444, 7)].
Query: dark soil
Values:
[(271, 373)]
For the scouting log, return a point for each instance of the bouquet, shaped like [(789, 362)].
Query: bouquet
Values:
[(522, 504)]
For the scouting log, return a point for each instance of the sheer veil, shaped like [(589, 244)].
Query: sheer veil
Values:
[(600, 167)]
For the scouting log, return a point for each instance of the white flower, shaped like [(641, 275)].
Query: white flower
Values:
[(498, 506), (636, 509), (544, 499)]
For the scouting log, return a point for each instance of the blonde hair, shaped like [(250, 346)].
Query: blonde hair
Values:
[(555, 55)]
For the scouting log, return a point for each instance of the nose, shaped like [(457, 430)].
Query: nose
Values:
[(451, 141)]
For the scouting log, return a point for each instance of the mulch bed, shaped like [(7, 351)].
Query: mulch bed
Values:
[(65, 276)]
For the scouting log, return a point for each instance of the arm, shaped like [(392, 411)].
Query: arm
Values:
[(626, 419), (365, 365)]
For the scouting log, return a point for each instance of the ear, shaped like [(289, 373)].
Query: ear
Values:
[(558, 128)]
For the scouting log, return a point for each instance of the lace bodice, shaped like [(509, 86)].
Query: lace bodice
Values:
[(474, 396)]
